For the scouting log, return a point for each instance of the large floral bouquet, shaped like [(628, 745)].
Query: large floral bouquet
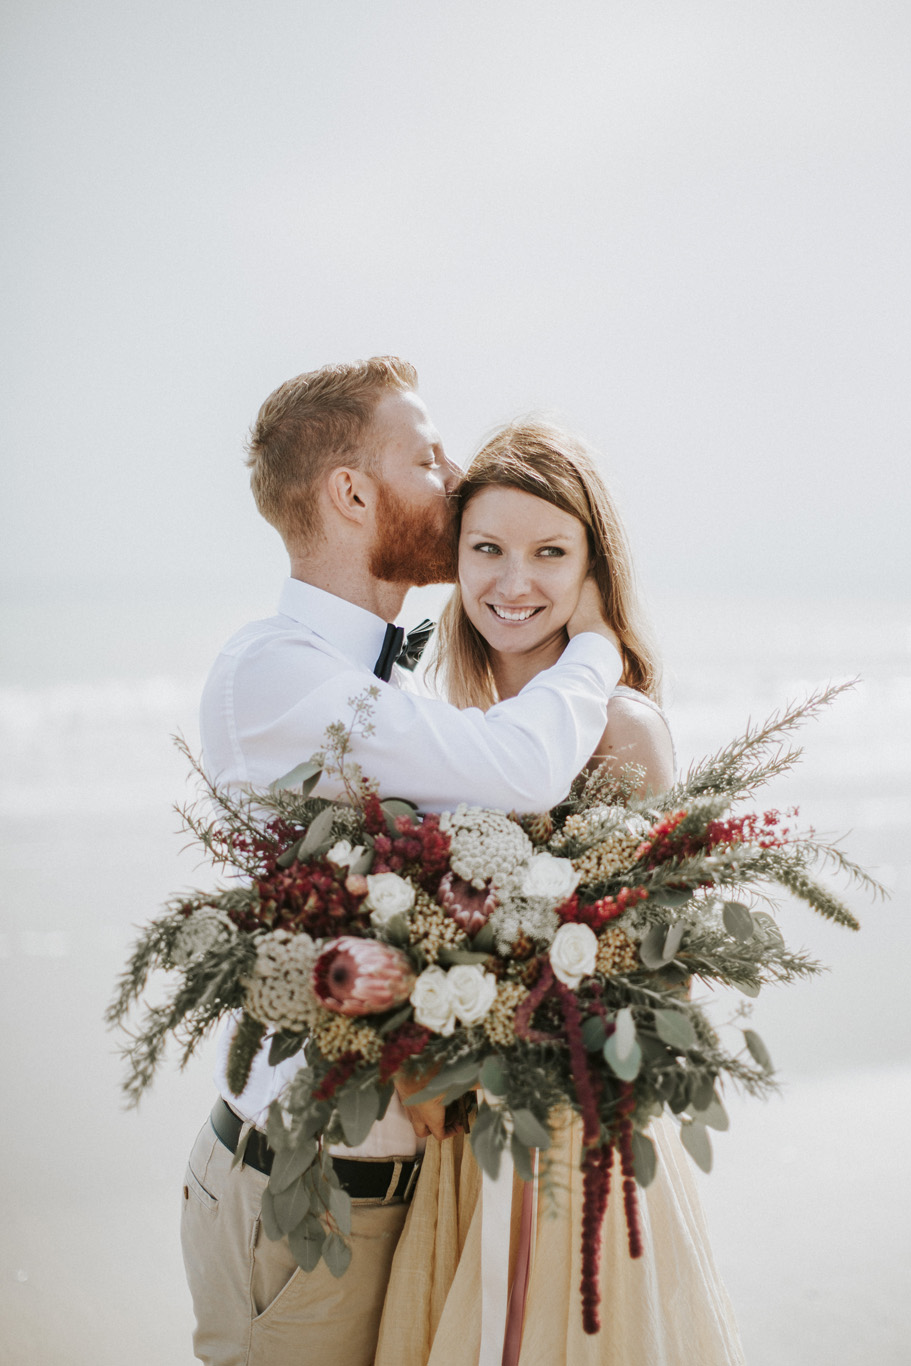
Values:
[(548, 959)]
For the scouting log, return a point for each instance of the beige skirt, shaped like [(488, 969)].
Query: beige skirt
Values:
[(667, 1308)]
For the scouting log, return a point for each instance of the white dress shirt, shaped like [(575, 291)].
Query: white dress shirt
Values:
[(279, 683)]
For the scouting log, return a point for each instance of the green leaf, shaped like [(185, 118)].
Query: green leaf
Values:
[(397, 806), (651, 950), (290, 855), (340, 1208), (305, 776), (701, 1089), (397, 931), (674, 940), (694, 1137), (291, 1204), (767, 928), (291, 1163), (675, 1030), (521, 1157), (463, 1073), (737, 920), (758, 1050), (645, 1159), (399, 1017), (358, 1107), (483, 941), (488, 1138), (385, 1091), (283, 1047), (336, 1255), (714, 1115), (276, 1132), (750, 989), (493, 1076), (306, 1242), (363, 863), (271, 1226), (627, 1069), (448, 957), (594, 1034), (529, 1129), (624, 1033), (319, 833)]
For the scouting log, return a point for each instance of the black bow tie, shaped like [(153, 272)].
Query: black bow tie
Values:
[(407, 654)]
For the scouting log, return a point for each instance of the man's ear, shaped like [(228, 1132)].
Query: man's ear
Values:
[(350, 492)]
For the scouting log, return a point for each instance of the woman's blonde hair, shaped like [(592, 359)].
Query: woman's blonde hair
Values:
[(538, 458)]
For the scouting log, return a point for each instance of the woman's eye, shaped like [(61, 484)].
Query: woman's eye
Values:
[(552, 552), (487, 548)]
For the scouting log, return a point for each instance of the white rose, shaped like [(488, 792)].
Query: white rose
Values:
[(433, 1001), (388, 895), (572, 954), (343, 854), (550, 877), (473, 991)]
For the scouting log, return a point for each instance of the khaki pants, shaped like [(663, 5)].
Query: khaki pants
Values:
[(254, 1306)]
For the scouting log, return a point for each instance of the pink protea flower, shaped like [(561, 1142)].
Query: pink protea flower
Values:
[(361, 976), (467, 906)]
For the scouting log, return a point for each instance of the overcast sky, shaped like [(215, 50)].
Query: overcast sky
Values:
[(683, 227)]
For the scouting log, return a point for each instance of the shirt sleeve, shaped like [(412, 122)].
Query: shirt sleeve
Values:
[(520, 755)]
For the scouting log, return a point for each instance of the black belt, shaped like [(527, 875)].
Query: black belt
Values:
[(362, 1178)]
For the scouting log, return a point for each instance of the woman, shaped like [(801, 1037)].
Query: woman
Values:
[(537, 528)]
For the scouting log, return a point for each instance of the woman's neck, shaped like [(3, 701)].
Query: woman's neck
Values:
[(511, 672)]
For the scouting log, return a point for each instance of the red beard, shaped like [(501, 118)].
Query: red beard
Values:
[(408, 547)]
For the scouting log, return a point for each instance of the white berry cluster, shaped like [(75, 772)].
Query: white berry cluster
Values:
[(524, 920), (279, 989), (208, 928), (486, 845)]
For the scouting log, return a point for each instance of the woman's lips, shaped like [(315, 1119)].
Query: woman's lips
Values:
[(514, 614)]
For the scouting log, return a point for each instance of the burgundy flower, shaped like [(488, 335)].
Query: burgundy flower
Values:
[(468, 907), (362, 976)]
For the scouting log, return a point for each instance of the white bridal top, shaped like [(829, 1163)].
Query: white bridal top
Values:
[(279, 683)]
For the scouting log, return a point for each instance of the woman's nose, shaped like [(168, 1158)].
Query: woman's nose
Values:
[(513, 580)]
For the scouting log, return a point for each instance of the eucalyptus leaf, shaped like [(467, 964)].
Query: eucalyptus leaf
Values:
[(714, 1115), (694, 1137), (393, 1022), (487, 1143), (306, 1243), (701, 1087), (448, 957), (675, 1030), (758, 1050), (627, 1069), (624, 1033), (750, 989), (320, 831), (669, 896), (336, 1255), (291, 1163), (483, 941), (276, 1132), (651, 950), (521, 1156), (271, 1226), (305, 776), (464, 1073), (290, 855), (645, 1159), (493, 1076), (358, 1107), (529, 1129), (284, 1046), (674, 940), (340, 1208), (737, 920), (767, 928), (397, 930), (385, 1092), (291, 1204), (394, 807), (594, 1034), (363, 863)]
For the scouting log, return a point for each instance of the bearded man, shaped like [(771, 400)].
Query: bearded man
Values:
[(348, 467)]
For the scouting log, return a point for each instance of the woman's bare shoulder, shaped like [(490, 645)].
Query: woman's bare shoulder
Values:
[(637, 733)]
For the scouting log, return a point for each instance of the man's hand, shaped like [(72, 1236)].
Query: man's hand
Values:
[(428, 1119), (589, 615)]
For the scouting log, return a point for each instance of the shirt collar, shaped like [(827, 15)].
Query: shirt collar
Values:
[(355, 632)]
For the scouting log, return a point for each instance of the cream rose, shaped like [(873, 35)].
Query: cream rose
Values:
[(572, 954), (388, 895), (434, 1002), (550, 877), (473, 991), (343, 854)]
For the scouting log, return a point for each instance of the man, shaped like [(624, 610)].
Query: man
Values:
[(348, 467)]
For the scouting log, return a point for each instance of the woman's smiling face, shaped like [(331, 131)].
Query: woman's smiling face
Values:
[(522, 563)]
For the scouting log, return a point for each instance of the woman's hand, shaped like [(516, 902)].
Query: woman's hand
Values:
[(430, 1118), (589, 615)]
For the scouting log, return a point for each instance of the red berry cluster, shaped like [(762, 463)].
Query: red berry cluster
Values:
[(312, 897), (660, 844), (596, 1174), (421, 846), (625, 1144), (405, 1042), (337, 1075), (599, 913), (585, 1082), (268, 843), (766, 830)]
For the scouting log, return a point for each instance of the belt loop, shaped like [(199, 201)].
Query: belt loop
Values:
[(242, 1138), (394, 1181), (413, 1176)]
